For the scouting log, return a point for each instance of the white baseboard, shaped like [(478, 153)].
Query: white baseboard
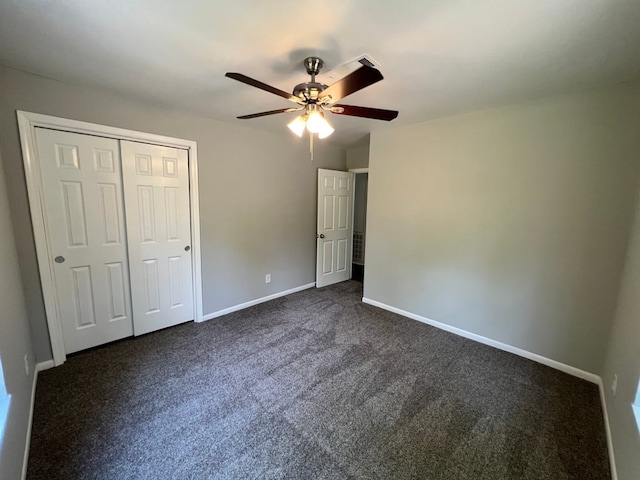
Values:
[(607, 427), (45, 365), (39, 367), (251, 303), (576, 372), (25, 459)]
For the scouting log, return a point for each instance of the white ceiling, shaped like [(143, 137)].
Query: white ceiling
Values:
[(439, 57)]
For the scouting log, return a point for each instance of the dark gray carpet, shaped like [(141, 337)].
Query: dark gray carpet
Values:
[(315, 385)]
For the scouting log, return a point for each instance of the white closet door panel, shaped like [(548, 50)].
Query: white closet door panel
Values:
[(156, 190), (82, 189)]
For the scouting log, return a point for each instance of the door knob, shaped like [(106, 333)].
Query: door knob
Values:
[(320, 236), (187, 248), (59, 259)]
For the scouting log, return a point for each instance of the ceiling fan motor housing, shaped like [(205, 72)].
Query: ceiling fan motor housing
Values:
[(313, 65), (309, 91)]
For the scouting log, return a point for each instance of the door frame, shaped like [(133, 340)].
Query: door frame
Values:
[(355, 172), (27, 123)]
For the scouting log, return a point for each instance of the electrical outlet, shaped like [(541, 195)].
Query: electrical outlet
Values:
[(614, 384), (26, 364), (267, 278)]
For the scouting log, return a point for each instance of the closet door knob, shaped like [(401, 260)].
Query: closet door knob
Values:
[(187, 248), (59, 259)]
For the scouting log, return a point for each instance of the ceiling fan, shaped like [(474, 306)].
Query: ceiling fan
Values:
[(312, 98)]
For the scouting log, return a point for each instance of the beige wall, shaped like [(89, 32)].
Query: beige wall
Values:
[(257, 191), (358, 157), (623, 359), (15, 343), (510, 223)]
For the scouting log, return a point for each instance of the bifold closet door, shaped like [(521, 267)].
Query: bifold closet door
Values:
[(156, 193), (84, 216)]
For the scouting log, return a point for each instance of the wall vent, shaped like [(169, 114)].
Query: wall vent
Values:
[(365, 61)]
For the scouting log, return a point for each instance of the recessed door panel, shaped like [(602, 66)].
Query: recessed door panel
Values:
[(151, 285), (67, 156), (104, 161), (175, 281), (327, 256), (170, 167), (171, 196), (146, 213), (83, 296), (116, 279), (110, 210), (341, 254), (328, 212), (343, 212), (329, 182), (143, 165), (74, 213)]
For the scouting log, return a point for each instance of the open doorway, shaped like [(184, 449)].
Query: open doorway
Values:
[(359, 223)]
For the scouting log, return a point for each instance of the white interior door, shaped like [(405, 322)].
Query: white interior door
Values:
[(82, 196), (156, 192), (335, 209)]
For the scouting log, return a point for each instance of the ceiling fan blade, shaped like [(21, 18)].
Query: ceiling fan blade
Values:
[(270, 112), (366, 112), (262, 86), (361, 78)]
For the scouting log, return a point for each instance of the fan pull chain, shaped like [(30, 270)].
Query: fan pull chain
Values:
[(311, 145)]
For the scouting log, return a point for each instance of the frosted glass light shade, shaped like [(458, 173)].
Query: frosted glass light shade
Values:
[(297, 125), (315, 121), (326, 130)]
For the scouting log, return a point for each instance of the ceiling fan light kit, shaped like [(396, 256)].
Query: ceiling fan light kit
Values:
[(314, 122), (314, 98)]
